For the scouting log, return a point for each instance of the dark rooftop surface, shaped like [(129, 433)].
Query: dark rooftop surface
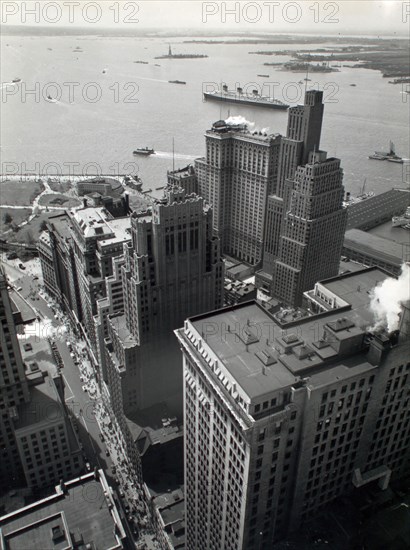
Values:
[(27, 313), (375, 246), (82, 512), (395, 234), (377, 209)]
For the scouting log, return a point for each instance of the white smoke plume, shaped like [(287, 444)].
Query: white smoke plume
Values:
[(388, 298), (239, 119)]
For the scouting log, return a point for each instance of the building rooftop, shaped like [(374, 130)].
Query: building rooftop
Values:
[(80, 513), (44, 404), (61, 224), (373, 245), (153, 426), (261, 353), (377, 209), (238, 127)]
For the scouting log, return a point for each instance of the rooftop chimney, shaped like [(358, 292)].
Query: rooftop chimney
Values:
[(404, 326)]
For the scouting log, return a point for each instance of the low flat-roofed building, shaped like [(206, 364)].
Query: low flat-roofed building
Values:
[(169, 518), (237, 292), (376, 251), (378, 209), (82, 513)]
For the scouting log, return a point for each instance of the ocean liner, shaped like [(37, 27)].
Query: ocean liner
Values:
[(255, 100)]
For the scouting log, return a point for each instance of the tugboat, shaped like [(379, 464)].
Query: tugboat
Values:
[(390, 155), (143, 151), (403, 220)]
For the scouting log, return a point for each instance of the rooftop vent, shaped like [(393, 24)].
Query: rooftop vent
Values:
[(321, 343), (290, 338), (57, 533), (266, 357), (340, 324), (247, 336)]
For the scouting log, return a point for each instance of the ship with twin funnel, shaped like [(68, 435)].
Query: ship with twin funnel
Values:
[(255, 100)]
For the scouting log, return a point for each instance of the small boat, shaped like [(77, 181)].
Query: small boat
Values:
[(353, 84), (157, 65), (263, 75), (387, 155), (15, 80), (176, 81), (51, 99), (143, 151), (377, 157), (403, 220), (307, 79)]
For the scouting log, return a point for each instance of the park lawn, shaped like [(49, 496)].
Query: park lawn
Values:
[(58, 199), (30, 233), (19, 216), (19, 193)]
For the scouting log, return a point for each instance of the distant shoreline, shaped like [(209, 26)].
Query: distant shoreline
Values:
[(263, 37)]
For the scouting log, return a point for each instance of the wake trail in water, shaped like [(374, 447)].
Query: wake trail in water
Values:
[(166, 155), (152, 79)]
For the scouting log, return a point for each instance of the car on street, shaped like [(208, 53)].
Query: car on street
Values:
[(101, 437), (121, 492), (114, 470), (84, 388), (107, 452)]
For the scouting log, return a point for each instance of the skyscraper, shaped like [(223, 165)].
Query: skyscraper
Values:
[(283, 417), (172, 268), (302, 136), (235, 178), (13, 387), (312, 229)]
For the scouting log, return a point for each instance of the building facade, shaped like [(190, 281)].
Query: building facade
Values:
[(236, 176), (281, 419), (302, 136), (312, 229), (38, 443), (13, 388), (171, 266)]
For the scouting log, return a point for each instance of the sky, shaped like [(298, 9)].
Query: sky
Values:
[(371, 17)]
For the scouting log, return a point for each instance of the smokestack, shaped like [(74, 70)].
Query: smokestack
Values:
[(404, 326), (379, 347)]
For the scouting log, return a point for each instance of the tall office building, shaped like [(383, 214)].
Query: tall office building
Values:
[(312, 229), (283, 417), (97, 239), (302, 136), (235, 178), (172, 268), (37, 442), (13, 387)]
